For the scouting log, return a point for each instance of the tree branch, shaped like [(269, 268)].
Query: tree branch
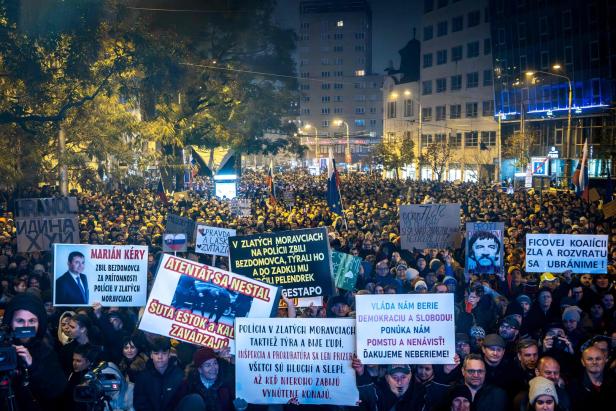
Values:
[(8, 117)]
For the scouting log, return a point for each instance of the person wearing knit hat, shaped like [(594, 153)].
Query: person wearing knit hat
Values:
[(524, 301), (35, 354), (542, 394), (204, 388), (460, 398)]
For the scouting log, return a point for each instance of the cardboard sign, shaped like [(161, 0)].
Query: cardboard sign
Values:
[(41, 222), (346, 270), (173, 243), (297, 260), (114, 275), (557, 253), (609, 209), (305, 358), (593, 195), (213, 240), (405, 328), (428, 225), (178, 225), (484, 248), (198, 303)]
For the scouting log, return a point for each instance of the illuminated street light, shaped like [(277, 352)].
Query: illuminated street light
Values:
[(316, 139), (347, 157)]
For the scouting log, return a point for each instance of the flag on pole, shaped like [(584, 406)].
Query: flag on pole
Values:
[(269, 180), (160, 191), (333, 188), (580, 176), (609, 190)]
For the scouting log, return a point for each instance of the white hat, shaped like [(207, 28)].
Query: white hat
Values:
[(411, 274), (541, 386)]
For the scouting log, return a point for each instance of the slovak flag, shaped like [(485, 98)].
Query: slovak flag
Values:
[(333, 188), (269, 180), (580, 176), (160, 191)]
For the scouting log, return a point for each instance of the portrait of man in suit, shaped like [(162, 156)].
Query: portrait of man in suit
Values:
[(72, 286)]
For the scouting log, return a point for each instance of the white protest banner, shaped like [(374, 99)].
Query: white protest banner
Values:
[(198, 303), (282, 358), (41, 222), (405, 328), (557, 253), (428, 225), (114, 275), (213, 240)]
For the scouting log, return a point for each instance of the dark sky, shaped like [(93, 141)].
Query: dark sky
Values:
[(392, 26)]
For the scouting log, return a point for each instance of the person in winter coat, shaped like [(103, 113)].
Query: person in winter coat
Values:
[(205, 387), (157, 386), (40, 382), (397, 391)]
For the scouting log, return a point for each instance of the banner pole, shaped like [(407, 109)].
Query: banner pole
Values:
[(213, 261)]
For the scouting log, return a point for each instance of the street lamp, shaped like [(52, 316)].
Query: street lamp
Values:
[(570, 101), (347, 156), (316, 140)]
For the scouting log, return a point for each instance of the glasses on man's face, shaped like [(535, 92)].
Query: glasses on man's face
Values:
[(475, 372)]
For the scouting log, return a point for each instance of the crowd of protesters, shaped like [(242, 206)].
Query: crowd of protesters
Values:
[(523, 341)]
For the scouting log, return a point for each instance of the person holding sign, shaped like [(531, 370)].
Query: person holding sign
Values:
[(397, 391), (72, 286)]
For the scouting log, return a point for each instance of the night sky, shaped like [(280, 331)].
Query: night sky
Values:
[(392, 26)]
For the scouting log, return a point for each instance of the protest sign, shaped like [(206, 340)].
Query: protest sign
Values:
[(245, 209), (303, 302), (405, 328), (593, 195), (282, 358), (428, 225), (41, 222), (609, 209), (213, 240), (173, 243), (557, 253), (177, 225), (198, 303), (484, 248), (346, 269), (114, 275), (298, 260)]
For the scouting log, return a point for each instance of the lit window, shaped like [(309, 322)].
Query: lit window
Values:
[(340, 23), (360, 73)]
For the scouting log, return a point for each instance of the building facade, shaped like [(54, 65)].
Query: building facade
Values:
[(555, 63), (456, 96), (340, 103)]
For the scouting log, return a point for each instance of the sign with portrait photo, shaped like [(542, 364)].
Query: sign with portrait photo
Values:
[(484, 248), (113, 275)]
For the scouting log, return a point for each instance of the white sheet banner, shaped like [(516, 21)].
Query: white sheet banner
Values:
[(213, 240), (557, 253), (405, 328), (278, 359)]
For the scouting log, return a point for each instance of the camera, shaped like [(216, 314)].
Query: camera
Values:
[(8, 355), (99, 384), (558, 344)]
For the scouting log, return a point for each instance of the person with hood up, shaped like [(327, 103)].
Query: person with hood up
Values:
[(38, 364)]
